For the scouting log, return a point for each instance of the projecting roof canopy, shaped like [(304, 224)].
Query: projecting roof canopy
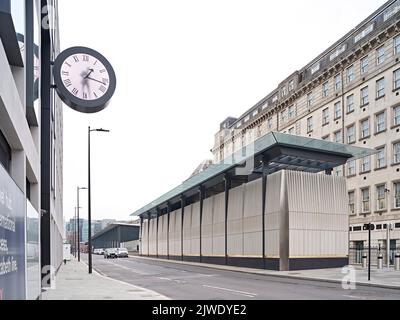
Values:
[(273, 152)]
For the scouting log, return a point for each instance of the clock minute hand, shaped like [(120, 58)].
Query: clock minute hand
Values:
[(96, 80)]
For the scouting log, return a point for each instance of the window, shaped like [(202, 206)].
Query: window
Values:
[(396, 45), (381, 197), (364, 96), (352, 198), (339, 171), (396, 116), (350, 103), (326, 138), (380, 55), (351, 134), (269, 123), (365, 129), (396, 153), (365, 207), (380, 88), (247, 118), (365, 164), (364, 65), (351, 168), (396, 194), (310, 125), (338, 110), (284, 116), (291, 130), (338, 82), (381, 158), (310, 99), (284, 91), (291, 85), (325, 116), (350, 74), (325, 90), (5, 152), (337, 136), (255, 113), (380, 120), (291, 112), (396, 79)]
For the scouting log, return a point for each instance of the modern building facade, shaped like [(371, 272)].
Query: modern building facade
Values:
[(349, 94), (114, 235), (31, 214), (249, 211)]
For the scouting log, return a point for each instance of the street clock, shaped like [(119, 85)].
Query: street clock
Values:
[(84, 79)]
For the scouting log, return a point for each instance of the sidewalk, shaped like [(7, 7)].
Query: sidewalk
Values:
[(74, 283), (385, 278)]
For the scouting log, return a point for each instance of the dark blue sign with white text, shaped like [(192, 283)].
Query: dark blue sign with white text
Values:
[(12, 239)]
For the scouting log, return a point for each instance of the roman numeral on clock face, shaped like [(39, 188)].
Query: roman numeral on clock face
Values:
[(103, 89), (75, 91), (65, 73), (67, 83), (85, 95)]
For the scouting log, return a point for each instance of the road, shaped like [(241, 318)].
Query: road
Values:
[(185, 282)]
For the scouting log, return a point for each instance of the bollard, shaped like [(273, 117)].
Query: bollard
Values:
[(397, 262), (380, 261), (364, 261)]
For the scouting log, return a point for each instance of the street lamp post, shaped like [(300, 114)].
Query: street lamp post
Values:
[(90, 201), (78, 207)]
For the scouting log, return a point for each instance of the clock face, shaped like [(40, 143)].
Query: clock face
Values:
[(84, 79), (85, 76)]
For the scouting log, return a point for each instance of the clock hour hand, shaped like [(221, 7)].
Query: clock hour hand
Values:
[(96, 80), (90, 72)]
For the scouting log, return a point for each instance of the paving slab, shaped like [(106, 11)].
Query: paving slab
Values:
[(73, 282)]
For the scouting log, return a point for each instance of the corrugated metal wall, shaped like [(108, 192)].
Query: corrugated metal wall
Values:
[(252, 219), (207, 227), (316, 210), (187, 230), (162, 235), (318, 215), (235, 222)]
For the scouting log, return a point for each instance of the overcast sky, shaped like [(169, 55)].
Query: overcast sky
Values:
[(182, 68)]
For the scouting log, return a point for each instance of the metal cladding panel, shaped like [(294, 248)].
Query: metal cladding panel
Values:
[(153, 237), (318, 218), (172, 235), (207, 227), (187, 228), (218, 231), (178, 233), (252, 219), (235, 221), (162, 235), (195, 230), (272, 215), (145, 238)]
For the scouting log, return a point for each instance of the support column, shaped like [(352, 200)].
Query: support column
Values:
[(141, 236), (168, 219), (148, 234), (183, 205), (202, 195), (227, 179), (264, 197), (158, 219)]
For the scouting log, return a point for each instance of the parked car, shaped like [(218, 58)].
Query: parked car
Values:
[(122, 253), (110, 253)]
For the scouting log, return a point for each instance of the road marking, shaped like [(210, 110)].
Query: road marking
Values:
[(355, 297), (129, 269), (243, 293)]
